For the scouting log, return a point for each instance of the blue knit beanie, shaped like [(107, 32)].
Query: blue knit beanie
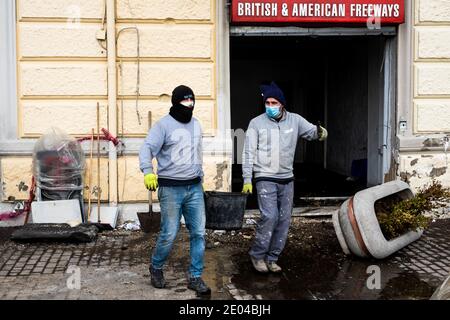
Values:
[(272, 91)]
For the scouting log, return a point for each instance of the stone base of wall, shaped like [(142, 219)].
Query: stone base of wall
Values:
[(420, 169), (16, 173)]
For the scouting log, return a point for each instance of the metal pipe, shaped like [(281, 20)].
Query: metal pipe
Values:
[(90, 174), (112, 99), (99, 189), (138, 75)]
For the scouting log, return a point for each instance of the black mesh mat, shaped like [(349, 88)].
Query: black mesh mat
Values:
[(55, 232)]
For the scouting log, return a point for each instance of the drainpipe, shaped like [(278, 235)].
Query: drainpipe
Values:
[(112, 100)]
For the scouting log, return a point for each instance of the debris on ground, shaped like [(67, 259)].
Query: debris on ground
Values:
[(130, 226), (115, 266)]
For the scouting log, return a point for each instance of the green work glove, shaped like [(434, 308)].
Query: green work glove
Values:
[(323, 134), (151, 181), (248, 188)]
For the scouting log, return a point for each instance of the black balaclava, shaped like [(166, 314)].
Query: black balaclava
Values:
[(178, 111)]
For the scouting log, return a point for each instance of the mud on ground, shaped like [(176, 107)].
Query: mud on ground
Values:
[(314, 266)]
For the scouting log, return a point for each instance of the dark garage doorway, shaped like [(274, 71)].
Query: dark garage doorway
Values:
[(340, 81)]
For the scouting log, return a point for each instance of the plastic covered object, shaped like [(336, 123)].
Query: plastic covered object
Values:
[(58, 162)]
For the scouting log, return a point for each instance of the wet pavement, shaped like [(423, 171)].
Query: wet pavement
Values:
[(315, 268), (115, 266)]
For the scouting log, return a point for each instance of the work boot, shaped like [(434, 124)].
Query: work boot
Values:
[(259, 265), (273, 267), (157, 278), (199, 286)]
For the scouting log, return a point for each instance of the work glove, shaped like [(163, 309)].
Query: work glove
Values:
[(203, 184), (323, 133), (248, 188), (151, 181)]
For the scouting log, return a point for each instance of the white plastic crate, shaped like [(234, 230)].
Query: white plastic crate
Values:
[(108, 215), (59, 211)]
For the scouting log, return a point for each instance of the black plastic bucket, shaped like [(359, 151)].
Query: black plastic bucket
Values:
[(225, 210)]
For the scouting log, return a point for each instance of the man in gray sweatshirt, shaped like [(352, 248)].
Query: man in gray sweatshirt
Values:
[(268, 153), (176, 143)]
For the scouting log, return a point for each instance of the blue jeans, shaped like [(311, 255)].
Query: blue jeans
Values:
[(189, 202)]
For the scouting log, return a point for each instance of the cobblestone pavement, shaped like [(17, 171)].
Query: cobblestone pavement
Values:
[(115, 266), (430, 255)]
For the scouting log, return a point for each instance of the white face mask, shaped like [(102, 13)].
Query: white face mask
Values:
[(187, 103)]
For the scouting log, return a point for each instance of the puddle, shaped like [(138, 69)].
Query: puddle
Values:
[(314, 268), (407, 286), (323, 278)]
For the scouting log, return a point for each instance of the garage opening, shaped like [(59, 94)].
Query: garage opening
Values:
[(345, 82)]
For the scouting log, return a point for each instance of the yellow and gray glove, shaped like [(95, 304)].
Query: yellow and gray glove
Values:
[(248, 188), (323, 133), (151, 181)]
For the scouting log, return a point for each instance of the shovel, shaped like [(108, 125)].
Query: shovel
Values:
[(110, 212), (149, 221)]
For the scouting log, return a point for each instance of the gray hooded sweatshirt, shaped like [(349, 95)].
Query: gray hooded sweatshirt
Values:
[(270, 145), (176, 146)]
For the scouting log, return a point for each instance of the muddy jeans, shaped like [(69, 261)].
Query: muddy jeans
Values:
[(275, 203), (189, 202)]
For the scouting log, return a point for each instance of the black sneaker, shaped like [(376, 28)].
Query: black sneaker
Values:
[(199, 286), (157, 278)]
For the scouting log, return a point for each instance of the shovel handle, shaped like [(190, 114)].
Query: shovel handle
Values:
[(90, 175), (98, 164)]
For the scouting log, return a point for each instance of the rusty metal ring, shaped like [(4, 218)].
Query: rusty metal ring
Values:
[(356, 231)]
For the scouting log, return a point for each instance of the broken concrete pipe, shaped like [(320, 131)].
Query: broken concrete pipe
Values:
[(357, 227)]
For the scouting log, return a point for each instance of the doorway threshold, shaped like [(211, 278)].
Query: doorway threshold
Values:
[(301, 212), (322, 201)]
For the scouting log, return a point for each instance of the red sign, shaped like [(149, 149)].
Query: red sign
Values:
[(318, 11)]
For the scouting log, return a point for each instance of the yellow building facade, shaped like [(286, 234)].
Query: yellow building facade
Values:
[(62, 72), (56, 68)]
